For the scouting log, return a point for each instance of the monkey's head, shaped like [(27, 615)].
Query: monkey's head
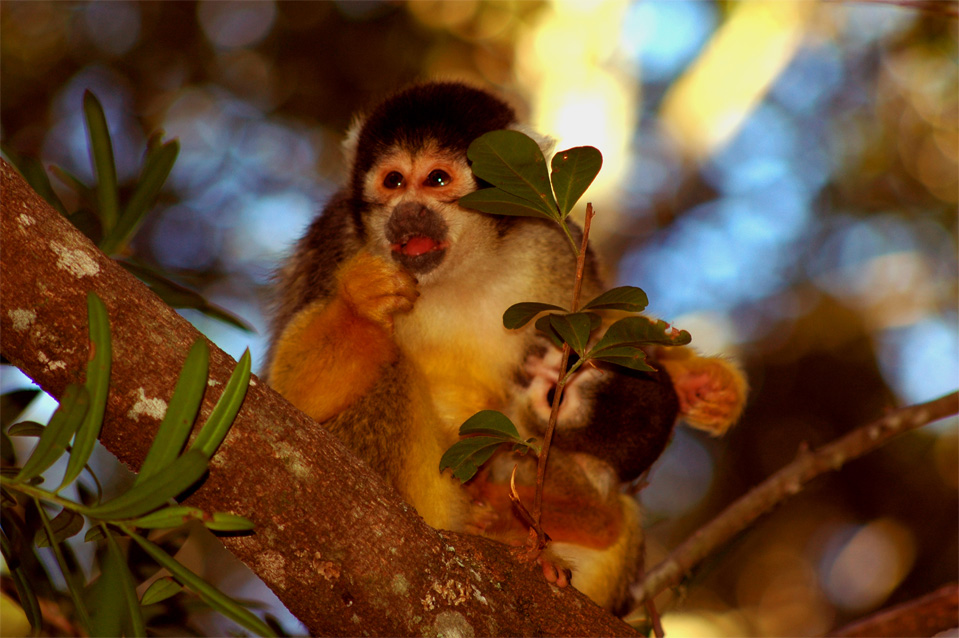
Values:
[(409, 168)]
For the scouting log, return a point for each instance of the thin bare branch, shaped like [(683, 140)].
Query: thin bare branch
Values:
[(787, 482)]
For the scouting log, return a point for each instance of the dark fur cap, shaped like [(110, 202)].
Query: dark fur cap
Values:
[(449, 113)]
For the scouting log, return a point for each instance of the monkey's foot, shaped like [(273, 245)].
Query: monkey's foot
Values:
[(376, 288), (709, 398), (530, 552)]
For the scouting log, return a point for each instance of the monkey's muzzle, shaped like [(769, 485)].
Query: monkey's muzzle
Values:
[(418, 237)]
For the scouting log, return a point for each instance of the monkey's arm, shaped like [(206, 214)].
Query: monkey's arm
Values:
[(711, 390), (332, 351)]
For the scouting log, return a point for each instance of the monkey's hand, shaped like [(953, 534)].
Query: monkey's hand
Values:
[(333, 350), (711, 390)]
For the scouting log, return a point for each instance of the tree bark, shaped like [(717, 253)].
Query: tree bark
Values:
[(337, 545)]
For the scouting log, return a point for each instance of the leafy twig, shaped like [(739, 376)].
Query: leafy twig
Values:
[(787, 482), (561, 384)]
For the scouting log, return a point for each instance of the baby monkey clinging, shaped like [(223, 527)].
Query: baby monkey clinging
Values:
[(388, 331)]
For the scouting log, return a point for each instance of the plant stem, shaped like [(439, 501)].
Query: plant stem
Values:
[(561, 384)]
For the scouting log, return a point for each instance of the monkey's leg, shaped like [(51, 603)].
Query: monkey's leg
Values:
[(332, 351)]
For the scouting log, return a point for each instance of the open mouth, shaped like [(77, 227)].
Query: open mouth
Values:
[(417, 236)]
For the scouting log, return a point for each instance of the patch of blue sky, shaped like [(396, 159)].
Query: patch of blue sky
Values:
[(921, 360), (662, 37), (813, 76)]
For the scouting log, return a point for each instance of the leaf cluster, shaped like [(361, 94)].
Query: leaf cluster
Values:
[(514, 165), (171, 468), (111, 215)]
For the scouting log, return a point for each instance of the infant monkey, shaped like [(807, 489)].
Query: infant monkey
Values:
[(388, 331)]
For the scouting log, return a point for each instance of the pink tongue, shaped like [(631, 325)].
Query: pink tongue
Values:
[(418, 246)]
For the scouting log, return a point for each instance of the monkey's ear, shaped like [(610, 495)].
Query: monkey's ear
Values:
[(351, 140), (545, 142)]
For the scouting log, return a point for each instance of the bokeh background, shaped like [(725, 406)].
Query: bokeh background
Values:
[(780, 177)]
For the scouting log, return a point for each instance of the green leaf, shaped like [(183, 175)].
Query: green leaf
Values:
[(224, 412), (573, 171), (519, 314), (74, 584), (93, 534), (513, 162), (628, 356), (207, 592), (498, 202), (623, 339), (64, 525), (465, 457), (156, 168), (224, 522), (26, 428), (115, 562), (153, 492), (169, 517), (28, 598), (184, 404), (179, 296), (53, 441), (97, 385), (174, 516), (574, 328), (545, 325), (108, 196), (159, 590), (628, 298), (490, 422), (32, 171)]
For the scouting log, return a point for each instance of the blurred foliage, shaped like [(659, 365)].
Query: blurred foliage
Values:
[(815, 239)]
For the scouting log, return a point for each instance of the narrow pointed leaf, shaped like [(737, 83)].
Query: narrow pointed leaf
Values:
[(573, 171), (466, 456), (498, 202), (26, 428), (628, 298), (519, 314), (101, 147), (97, 385), (28, 597), (74, 584), (159, 590), (214, 430), (131, 616), (93, 534), (490, 422), (53, 441), (513, 162), (210, 594), (225, 522), (64, 525), (169, 517), (175, 428), (32, 171), (153, 492), (157, 166)]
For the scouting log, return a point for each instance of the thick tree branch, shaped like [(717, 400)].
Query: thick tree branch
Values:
[(338, 546), (787, 482)]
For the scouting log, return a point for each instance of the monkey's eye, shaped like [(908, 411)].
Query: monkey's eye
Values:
[(393, 180), (438, 178)]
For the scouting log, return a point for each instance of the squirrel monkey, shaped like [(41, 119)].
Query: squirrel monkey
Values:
[(388, 331)]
